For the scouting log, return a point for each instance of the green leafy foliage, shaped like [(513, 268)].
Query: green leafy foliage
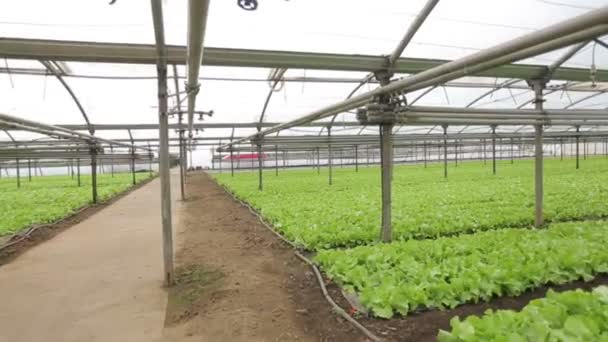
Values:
[(303, 207), (49, 198), (566, 316), (404, 276)]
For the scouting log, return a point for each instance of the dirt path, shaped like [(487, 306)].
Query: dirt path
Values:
[(99, 280), (239, 282)]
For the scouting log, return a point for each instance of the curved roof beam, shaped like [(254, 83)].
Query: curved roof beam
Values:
[(585, 99), (278, 75), (394, 56), (58, 75)]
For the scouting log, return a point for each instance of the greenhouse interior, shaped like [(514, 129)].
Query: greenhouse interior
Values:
[(267, 170)]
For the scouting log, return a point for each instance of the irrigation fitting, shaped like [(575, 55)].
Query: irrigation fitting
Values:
[(377, 113), (192, 90)]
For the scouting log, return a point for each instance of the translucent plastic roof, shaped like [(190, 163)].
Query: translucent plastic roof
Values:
[(121, 93)]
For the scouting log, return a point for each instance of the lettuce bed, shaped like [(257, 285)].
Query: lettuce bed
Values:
[(315, 215), (567, 316), (401, 277), (49, 198)]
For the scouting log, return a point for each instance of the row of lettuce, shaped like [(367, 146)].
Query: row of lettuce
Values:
[(317, 216), (49, 198), (451, 243), (567, 316)]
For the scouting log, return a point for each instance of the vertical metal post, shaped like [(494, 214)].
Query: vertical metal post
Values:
[(260, 184), (484, 152), (29, 170), (276, 160), (112, 160), (424, 152), (182, 162), (163, 136), (511, 148), (18, 174), (561, 149), (94, 173), (445, 151), (584, 149), (386, 161), (251, 159), (577, 147), (78, 171), (367, 155), (494, 149), (356, 158), (133, 166), (456, 152), (284, 160), (538, 86), (329, 155), (318, 160), (220, 158), (231, 161)]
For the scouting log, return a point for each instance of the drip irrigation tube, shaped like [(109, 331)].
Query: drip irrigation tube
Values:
[(340, 311)]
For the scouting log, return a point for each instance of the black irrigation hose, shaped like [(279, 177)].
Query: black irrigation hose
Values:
[(335, 306), (31, 230)]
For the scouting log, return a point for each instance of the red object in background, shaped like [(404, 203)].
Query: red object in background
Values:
[(244, 156)]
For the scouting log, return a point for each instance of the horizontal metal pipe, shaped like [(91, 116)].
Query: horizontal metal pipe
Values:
[(538, 42)]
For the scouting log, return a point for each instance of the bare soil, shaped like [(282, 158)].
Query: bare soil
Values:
[(48, 231), (260, 273), (239, 282)]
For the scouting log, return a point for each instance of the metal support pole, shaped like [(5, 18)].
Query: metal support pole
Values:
[(260, 184), (133, 167), (163, 136), (276, 160), (456, 152), (329, 155), (284, 160), (94, 174), (318, 160), (485, 158), (538, 152), (18, 174), (585, 149), (112, 161), (424, 151), (231, 161), (561, 149), (577, 147), (78, 171), (356, 158), (386, 156), (494, 149), (182, 166), (445, 151), (220, 159), (29, 170)]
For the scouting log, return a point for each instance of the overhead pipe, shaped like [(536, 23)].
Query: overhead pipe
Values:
[(9, 119), (197, 22), (556, 36)]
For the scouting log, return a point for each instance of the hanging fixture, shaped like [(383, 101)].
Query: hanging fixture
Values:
[(247, 5)]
